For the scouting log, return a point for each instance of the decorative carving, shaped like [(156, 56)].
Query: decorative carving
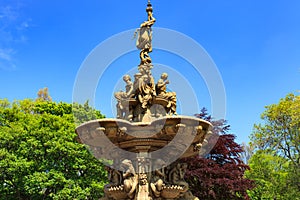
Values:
[(180, 128), (145, 91), (158, 177), (145, 99), (142, 101), (161, 90), (146, 87), (144, 41), (122, 131), (122, 98), (141, 177), (114, 176), (115, 188), (176, 176), (197, 147), (130, 178), (176, 179)]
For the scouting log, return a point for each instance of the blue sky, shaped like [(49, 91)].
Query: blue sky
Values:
[(254, 44)]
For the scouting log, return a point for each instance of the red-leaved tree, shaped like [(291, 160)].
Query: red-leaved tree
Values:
[(220, 173)]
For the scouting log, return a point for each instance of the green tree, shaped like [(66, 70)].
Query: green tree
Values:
[(40, 157), (279, 134), (84, 113), (271, 175), (281, 129)]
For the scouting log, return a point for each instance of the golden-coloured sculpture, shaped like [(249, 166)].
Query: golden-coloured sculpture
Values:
[(144, 99), (177, 176), (144, 41), (130, 178), (158, 177), (165, 183), (122, 97), (114, 176), (143, 176), (161, 90)]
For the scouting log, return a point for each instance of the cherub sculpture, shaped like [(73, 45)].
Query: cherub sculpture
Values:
[(176, 176), (130, 178), (161, 91), (114, 176), (158, 177), (122, 97)]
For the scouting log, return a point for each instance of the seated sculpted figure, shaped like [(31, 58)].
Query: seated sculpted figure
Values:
[(122, 105), (114, 176), (177, 177), (161, 91), (158, 177), (130, 178)]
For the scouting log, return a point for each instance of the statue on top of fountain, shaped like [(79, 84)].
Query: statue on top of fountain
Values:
[(144, 99), (144, 41)]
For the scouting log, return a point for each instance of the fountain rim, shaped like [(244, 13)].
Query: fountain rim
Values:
[(141, 124)]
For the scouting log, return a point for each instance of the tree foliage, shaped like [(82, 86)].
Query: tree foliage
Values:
[(39, 155), (281, 129), (271, 175), (84, 113), (278, 139), (219, 175)]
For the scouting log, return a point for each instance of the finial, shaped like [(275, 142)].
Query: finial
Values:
[(149, 8)]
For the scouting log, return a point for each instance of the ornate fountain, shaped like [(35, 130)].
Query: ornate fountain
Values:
[(144, 145)]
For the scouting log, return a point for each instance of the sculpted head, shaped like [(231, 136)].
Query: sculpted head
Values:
[(164, 76), (137, 75), (126, 78)]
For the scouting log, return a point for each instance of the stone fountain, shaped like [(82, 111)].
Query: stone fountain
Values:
[(144, 145)]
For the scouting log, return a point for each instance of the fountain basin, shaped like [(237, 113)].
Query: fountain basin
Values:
[(177, 133)]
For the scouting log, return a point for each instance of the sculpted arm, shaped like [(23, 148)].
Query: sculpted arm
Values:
[(160, 83), (130, 91)]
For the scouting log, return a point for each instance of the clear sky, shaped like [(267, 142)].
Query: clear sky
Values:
[(254, 44)]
